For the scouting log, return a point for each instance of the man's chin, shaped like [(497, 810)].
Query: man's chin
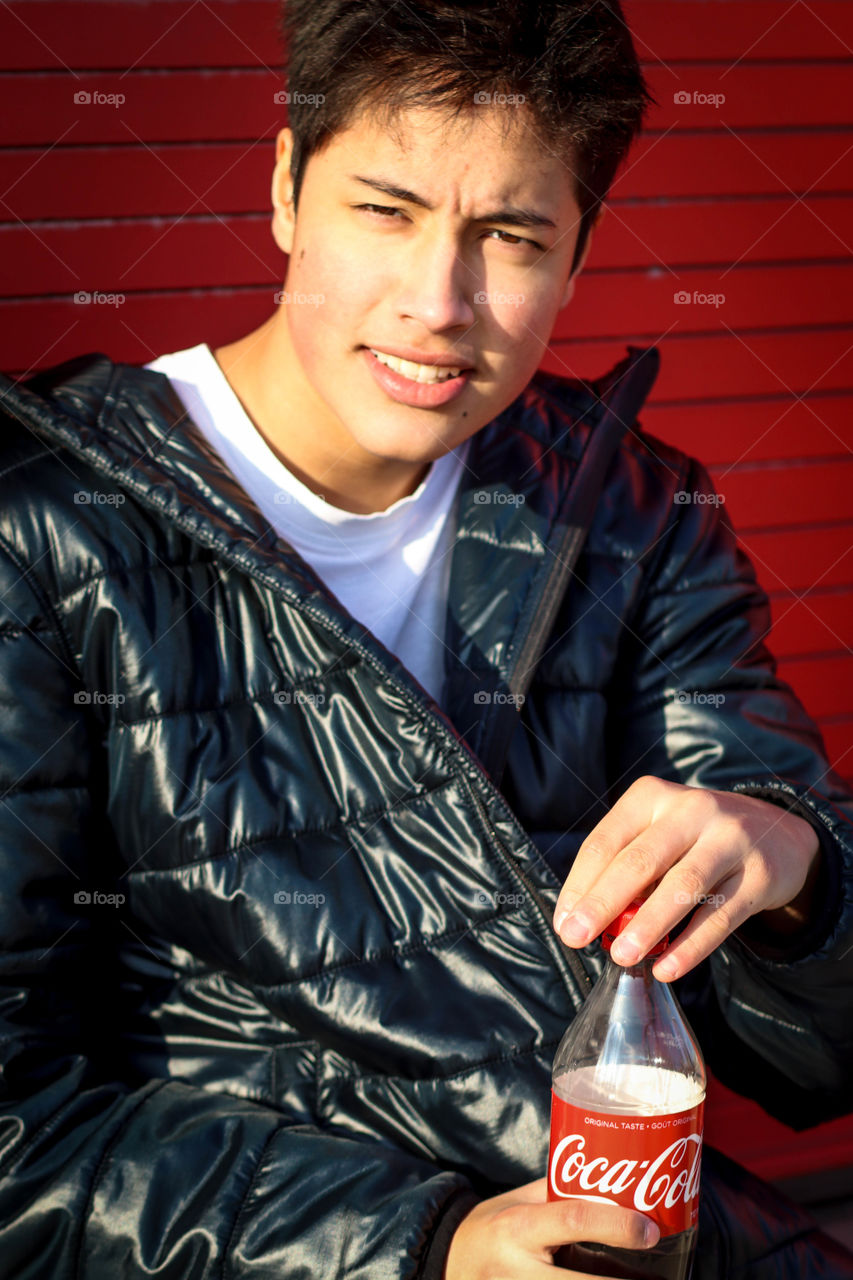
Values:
[(417, 447), (409, 435)]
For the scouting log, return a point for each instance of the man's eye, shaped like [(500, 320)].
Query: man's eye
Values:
[(511, 239), (381, 209), (390, 211)]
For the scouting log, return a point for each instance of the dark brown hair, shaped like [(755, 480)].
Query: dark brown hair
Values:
[(572, 60)]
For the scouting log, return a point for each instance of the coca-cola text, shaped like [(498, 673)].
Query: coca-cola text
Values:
[(651, 1164)]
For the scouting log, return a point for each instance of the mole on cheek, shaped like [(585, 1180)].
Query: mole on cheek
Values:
[(301, 254)]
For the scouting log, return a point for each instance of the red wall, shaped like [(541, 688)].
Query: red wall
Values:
[(164, 199)]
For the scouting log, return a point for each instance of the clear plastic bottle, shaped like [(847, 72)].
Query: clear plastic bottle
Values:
[(627, 1109)]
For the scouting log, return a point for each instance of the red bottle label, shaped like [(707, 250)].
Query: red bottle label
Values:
[(649, 1163)]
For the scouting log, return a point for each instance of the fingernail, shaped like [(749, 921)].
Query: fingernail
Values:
[(575, 931), (625, 949), (652, 1233), (666, 970), (566, 906)]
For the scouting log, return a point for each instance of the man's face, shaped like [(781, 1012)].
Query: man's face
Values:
[(447, 276)]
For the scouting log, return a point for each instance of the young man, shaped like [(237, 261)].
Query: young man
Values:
[(281, 985)]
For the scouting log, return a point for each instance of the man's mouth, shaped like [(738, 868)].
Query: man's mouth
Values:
[(424, 373)]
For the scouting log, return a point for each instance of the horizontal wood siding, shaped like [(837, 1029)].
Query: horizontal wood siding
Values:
[(140, 224)]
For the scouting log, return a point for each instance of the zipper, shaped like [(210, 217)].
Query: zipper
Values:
[(575, 977)]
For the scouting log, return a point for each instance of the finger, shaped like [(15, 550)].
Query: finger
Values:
[(718, 881), (723, 911), (595, 854), (692, 881), (566, 1221), (630, 815), (631, 873), (644, 802)]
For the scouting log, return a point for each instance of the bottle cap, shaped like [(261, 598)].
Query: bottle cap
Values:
[(622, 921)]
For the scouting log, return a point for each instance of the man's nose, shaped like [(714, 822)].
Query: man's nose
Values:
[(438, 286)]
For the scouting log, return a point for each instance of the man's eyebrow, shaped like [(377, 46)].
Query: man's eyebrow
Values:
[(509, 216)]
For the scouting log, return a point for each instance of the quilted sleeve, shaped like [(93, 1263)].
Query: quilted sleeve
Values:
[(698, 701), (104, 1177)]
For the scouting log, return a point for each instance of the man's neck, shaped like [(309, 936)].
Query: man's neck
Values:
[(259, 369)]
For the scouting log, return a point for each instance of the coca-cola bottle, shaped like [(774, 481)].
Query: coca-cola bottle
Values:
[(627, 1108)]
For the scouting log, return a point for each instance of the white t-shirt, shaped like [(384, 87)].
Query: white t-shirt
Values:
[(390, 569)]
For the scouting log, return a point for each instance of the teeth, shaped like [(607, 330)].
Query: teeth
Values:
[(417, 372)]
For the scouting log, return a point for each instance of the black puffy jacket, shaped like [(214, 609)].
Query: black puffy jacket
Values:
[(279, 989)]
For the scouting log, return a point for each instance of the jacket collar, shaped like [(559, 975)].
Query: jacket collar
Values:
[(129, 424)]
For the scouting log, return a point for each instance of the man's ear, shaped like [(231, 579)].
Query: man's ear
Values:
[(569, 291), (284, 215)]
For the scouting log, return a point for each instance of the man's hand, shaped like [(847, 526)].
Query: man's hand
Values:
[(730, 856), (515, 1235)]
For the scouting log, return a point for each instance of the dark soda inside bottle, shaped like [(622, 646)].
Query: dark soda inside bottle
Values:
[(671, 1259)]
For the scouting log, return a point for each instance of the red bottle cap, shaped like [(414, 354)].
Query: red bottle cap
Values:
[(621, 922)]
